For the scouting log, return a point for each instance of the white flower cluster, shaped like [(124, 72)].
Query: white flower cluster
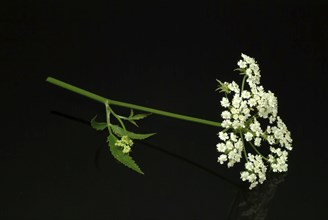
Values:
[(255, 170), (241, 123), (125, 143), (231, 149)]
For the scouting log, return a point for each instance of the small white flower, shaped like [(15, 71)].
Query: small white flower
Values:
[(221, 147), (249, 73), (229, 145), (268, 130), (244, 175), (241, 118), (226, 123), (243, 105), (257, 141), (248, 59), (234, 87), (235, 116), (226, 115), (254, 67), (225, 102), (223, 136), (278, 134), (233, 137), (252, 102), (252, 177), (239, 145), (222, 158), (246, 112), (242, 64), (270, 139), (231, 163), (272, 119), (234, 111), (245, 94), (232, 154), (256, 128), (249, 166), (253, 185), (236, 101), (248, 136), (236, 124)]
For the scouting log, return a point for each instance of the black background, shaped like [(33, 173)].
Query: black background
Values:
[(164, 55)]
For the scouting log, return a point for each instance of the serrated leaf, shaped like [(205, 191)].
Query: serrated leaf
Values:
[(117, 153), (120, 132), (99, 126)]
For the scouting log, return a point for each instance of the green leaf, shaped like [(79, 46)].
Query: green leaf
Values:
[(120, 132), (138, 116), (239, 69), (133, 122), (223, 87), (131, 113), (117, 153), (242, 71), (99, 126), (132, 118)]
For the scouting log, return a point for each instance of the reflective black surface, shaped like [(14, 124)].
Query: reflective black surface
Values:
[(165, 56)]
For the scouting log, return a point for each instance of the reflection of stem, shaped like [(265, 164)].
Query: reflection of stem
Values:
[(161, 150), (191, 162), (128, 105)]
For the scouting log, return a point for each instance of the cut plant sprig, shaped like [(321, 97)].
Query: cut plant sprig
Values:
[(244, 107)]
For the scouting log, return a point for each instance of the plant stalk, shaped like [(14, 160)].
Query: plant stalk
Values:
[(128, 105)]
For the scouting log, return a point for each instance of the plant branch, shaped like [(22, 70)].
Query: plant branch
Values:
[(129, 105)]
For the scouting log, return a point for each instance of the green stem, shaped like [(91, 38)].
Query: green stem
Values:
[(115, 115), (243, 83), (258, 152), (128, 105), (108, 118), (242, 139)]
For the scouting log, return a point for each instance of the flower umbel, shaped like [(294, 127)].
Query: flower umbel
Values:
[(126, 144), (244, 108)]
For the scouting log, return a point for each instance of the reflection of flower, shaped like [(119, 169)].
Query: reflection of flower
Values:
[(255, 204), (243, 113)]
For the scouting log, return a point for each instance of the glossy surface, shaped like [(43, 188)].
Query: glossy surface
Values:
[(54, 166)]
